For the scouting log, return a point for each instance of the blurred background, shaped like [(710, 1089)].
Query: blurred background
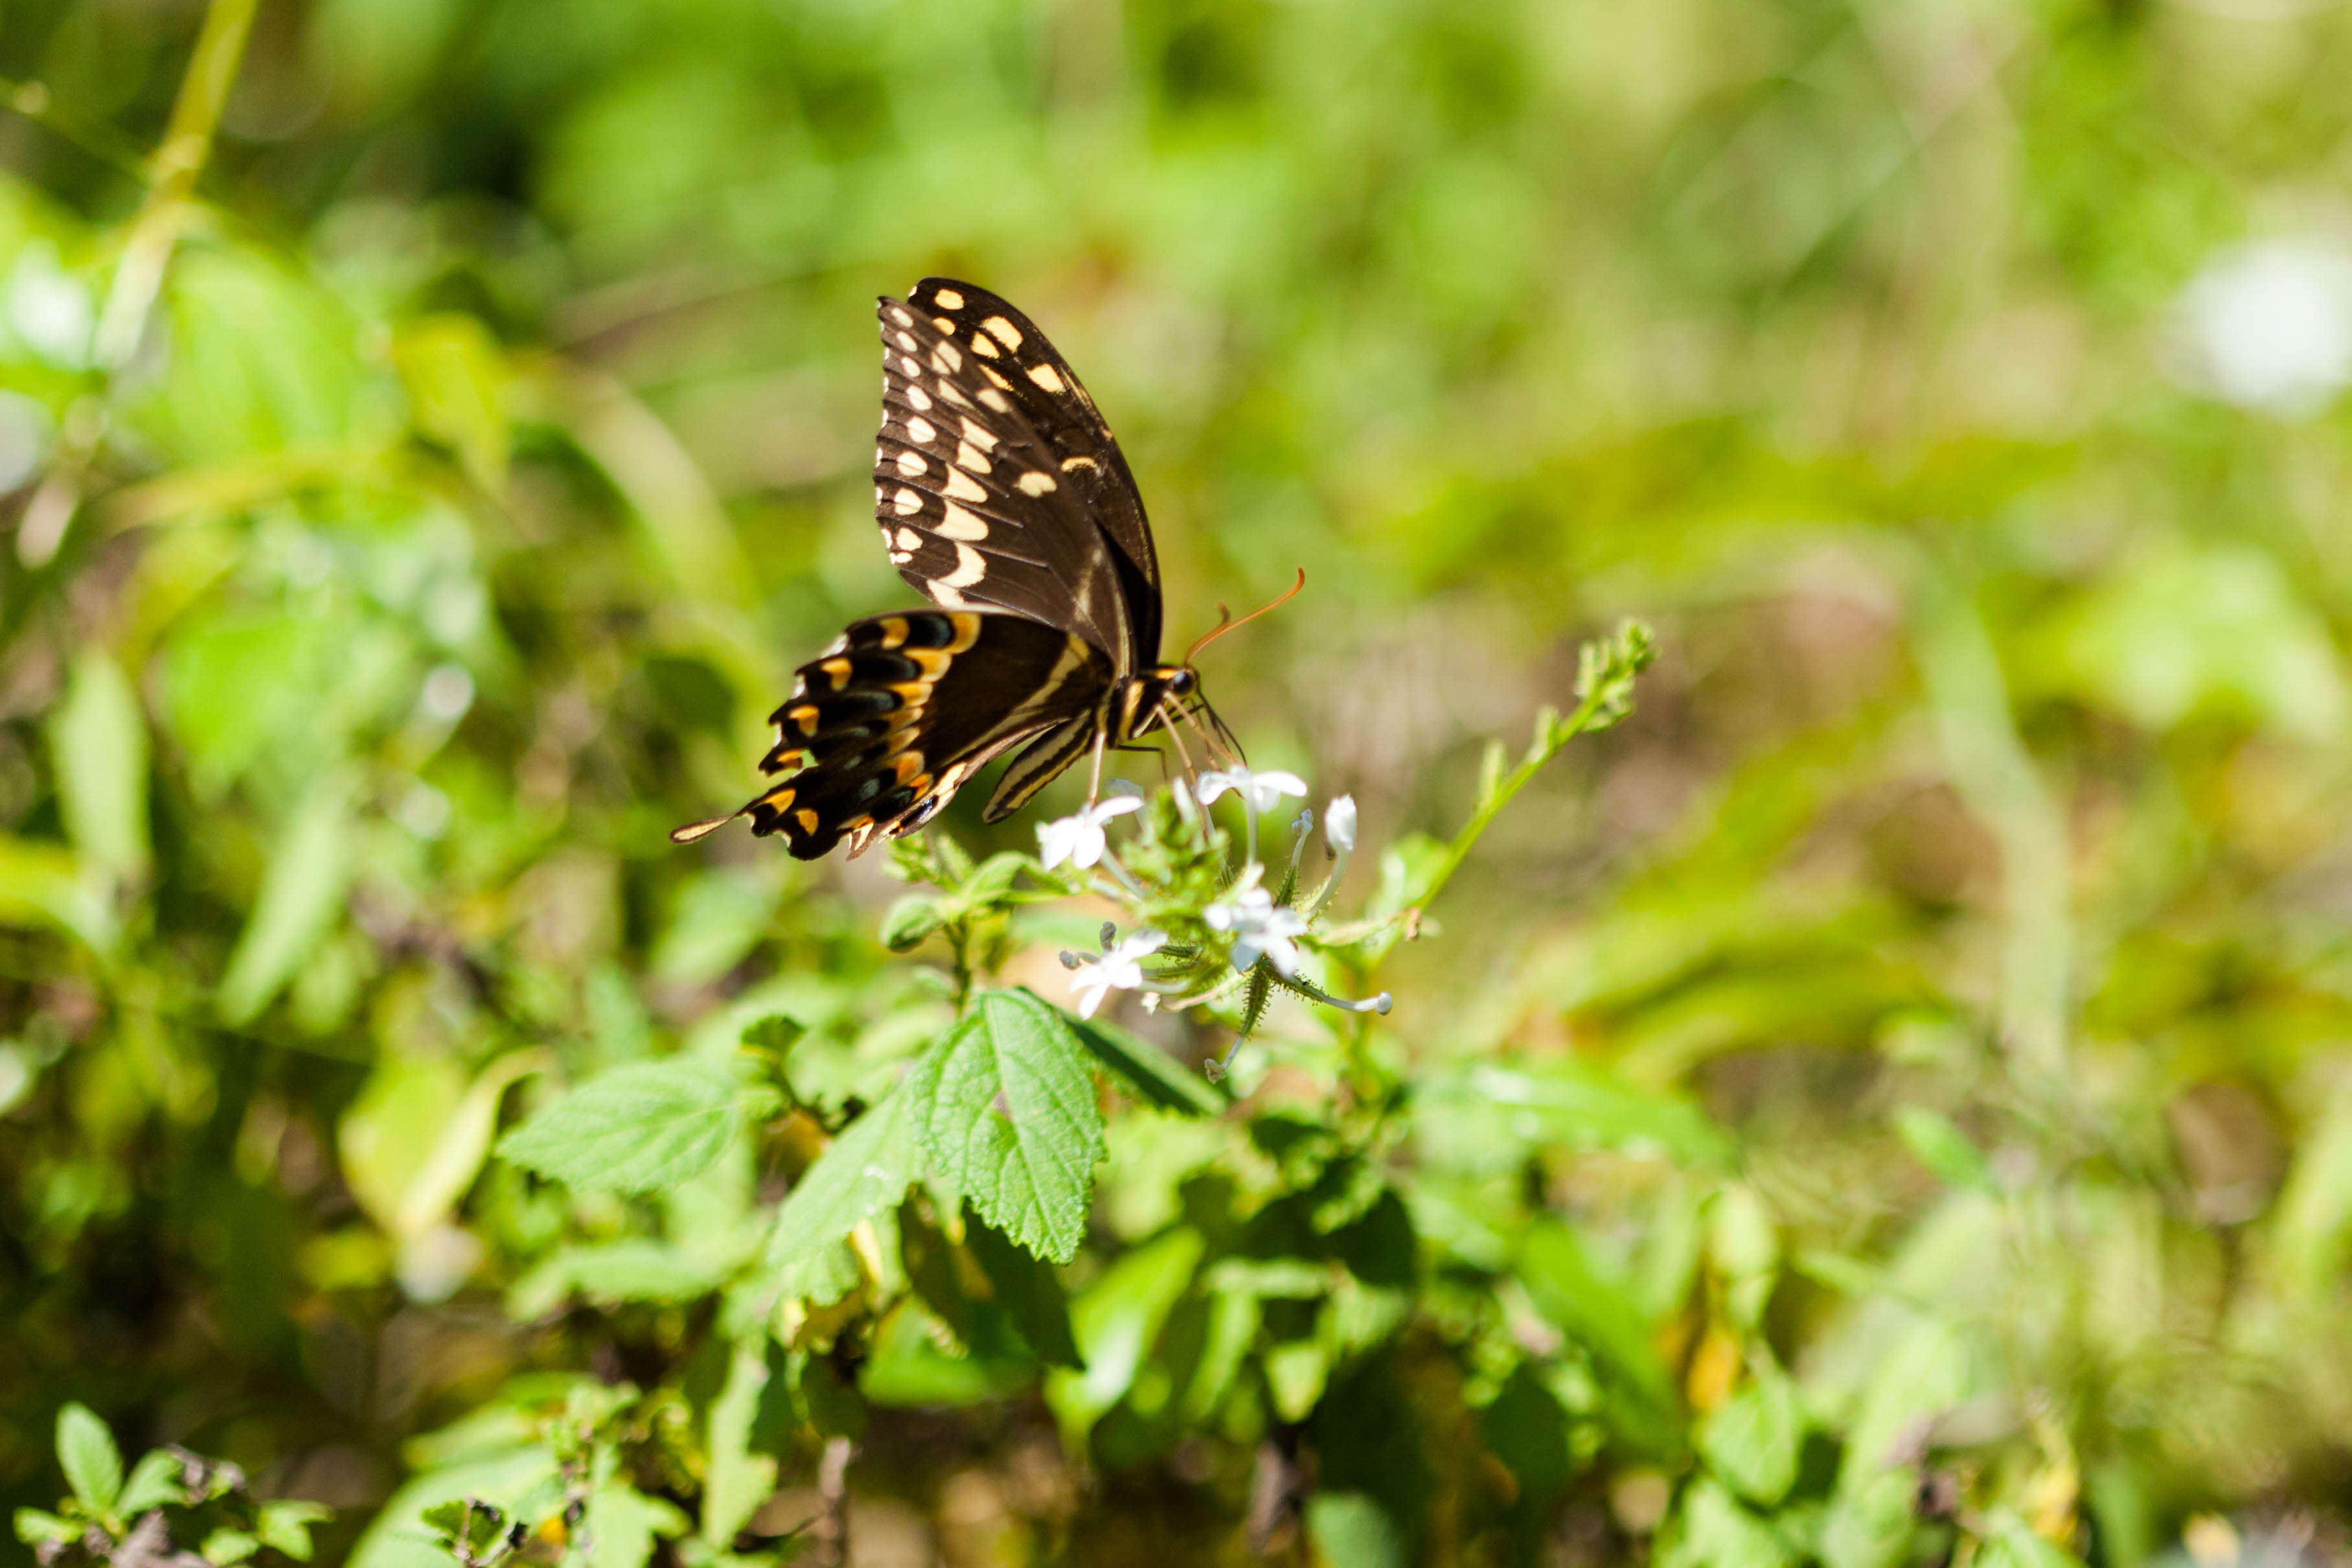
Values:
[(434, 429)]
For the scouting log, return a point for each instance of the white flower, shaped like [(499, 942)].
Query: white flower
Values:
[(1260, 929), (1263, 791), (2271, 326), (1079, 839), (1340, 823), (1116, 970)]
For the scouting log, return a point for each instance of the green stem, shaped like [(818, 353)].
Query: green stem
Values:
[(1497, 793)]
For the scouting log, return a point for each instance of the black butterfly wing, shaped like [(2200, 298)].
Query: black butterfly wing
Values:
[(894, 718), (1059, 530)]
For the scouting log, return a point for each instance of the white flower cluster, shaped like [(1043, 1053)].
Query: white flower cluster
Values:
[(1261, 929)]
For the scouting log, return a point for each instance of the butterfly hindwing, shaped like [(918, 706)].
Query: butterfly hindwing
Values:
[(885, 726)]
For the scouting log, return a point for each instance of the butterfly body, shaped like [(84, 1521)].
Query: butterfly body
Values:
[(1002, 494)]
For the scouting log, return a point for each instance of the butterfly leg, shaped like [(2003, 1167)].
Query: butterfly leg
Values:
[(1191, 774), (1094, 782)]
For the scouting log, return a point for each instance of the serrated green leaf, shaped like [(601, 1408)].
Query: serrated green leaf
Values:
[(1004, 1107), (93, 1465), (638, 1128), (862, 1172), (154, 1481), (301, 896), (1150, 1072)]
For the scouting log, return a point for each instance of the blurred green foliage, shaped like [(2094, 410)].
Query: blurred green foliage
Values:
[(1890, 1095)]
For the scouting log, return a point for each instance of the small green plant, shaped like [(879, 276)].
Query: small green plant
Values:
[(173, 1509)]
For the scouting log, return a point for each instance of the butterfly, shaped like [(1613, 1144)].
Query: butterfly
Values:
[(1002, 496)]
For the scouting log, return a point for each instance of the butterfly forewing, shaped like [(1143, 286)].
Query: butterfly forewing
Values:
[(1049, 394), (883, 728), (973, 504)]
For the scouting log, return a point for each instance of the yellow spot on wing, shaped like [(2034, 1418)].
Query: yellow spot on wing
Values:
[(836, 671), (1004, 331), (982, 346), (967, 458), (806, 819), (948, 300), (1049, 378), (947, 359), (920, 431), (907, 502), (979, 435), (970, 569), (911, 464), (919, 399), (963, 488), (1035, 484), (959, 524)]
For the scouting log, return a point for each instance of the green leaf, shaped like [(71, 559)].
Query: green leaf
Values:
[(93, 1465), (1602, 1316), (637, 1128), (99, 736), (43, 885), (776, 1033), (738, 1481), (455, 377), (1354, 1530), (1004, 1107), (2013, 1545), (454, 1157), (621, 1525), (285, 1526), (633, 1269), (154, 1481), (910, 920), (34, 1526), (1714, 1532), (1751, 1440), (225, 1546), (862, 1173), (1149, 1073), (1029, 1291), (301, 896), (1116, 1323), (1943, 1148), (1871, 1521)]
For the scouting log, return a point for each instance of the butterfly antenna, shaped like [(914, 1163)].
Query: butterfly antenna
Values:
[(1225, 621)]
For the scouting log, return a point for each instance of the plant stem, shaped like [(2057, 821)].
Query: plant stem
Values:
[(146, 253)]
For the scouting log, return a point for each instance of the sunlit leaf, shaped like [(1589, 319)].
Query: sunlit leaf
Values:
[(92, 1464), (1004, 1108), (99, 736), (301, 897), (636, 1128)]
